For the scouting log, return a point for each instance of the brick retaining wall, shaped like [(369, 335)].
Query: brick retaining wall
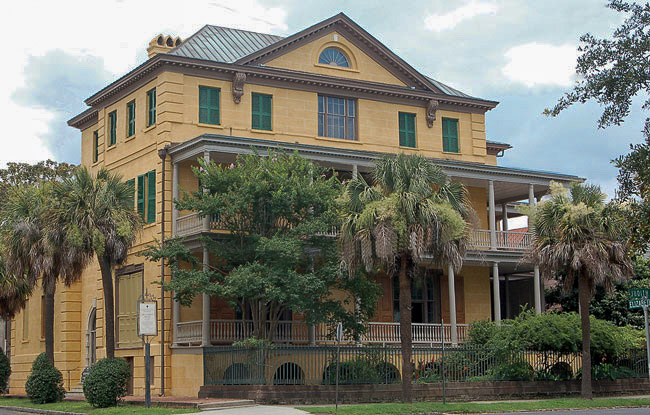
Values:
[(321, 394)]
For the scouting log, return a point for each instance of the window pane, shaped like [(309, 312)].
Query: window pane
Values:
[(321, 117), (351, 129), (351, 109), (335, 126), (321, 103), (335, 106)]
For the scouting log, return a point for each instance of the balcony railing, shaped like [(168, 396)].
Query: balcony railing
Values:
[(228, 331)]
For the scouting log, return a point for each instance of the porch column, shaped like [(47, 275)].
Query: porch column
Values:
[(507, 286), (205, 320), (174, 196), (206, 220), (495, 288), (537, 290), (452, 305), (492, 216), (355, 171), (311, 335), (504, 209), (531, 200)]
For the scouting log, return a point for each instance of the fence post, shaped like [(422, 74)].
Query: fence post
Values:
[(442, 364)]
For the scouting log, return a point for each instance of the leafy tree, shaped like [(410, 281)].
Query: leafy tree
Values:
[(45, 382), (95, 215), (18, 174), (612, 71), (412, 208), (574, 232), (274, 256)]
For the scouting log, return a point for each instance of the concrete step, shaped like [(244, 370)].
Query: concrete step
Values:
[(239, 403)]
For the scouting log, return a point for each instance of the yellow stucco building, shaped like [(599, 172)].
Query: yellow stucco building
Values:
[(336, 95)]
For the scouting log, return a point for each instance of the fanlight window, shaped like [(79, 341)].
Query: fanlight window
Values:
[(334, 57)]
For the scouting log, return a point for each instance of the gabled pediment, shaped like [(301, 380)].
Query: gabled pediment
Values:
[(343, 31)]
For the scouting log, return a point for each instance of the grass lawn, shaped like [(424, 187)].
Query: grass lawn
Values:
[(84, 408), (420, 407)]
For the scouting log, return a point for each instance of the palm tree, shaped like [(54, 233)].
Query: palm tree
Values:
[(96, 215), (575, 232), (35, 251), (411, 210)]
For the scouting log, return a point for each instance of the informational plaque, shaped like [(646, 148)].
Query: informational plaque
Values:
[(147, 321)]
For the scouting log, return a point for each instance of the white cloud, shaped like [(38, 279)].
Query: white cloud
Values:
[(117, 31), (440, 22), (534, 64)]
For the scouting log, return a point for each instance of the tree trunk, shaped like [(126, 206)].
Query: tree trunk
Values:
[(405, 329), (109, 306), (49, 324), (584, 293)]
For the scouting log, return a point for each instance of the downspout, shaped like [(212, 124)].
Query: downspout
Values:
[(162, 153)]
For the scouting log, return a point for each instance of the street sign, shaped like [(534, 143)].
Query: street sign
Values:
[(639, 303), (639, 293)]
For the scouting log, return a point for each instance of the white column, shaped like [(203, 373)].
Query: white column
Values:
[(497, 296), (452, 305), (492, 216), (174, 197), (206, 220), (355, 171), (537, 290), (531, 200), (205, 320), (176, 316), (504, 209)]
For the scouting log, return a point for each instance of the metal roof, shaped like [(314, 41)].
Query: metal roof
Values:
[(449, 90), (223, 44)]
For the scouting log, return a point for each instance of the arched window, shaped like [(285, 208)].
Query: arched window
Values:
[(334, 57)]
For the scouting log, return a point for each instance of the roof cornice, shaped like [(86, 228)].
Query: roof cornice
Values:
[(86, 118), (180, 63)]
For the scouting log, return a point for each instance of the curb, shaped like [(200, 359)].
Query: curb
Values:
[(38, 411)]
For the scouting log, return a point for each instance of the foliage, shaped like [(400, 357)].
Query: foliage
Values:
[(612, 306), (95, 216), (45, 383), (21, 174), (411, 209), (613, 71), (107, 382), (368, 367), (254, 343), (275, 256), (5, 371)]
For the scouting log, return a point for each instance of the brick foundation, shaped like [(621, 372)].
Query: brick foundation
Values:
[(322, 394)]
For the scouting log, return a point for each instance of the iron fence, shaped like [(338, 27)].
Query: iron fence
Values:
[(316, 365)]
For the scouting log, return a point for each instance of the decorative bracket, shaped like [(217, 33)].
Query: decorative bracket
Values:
[(432, 107), (238, 86)]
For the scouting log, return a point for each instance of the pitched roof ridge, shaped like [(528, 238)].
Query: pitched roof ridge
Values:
[(242, 30)]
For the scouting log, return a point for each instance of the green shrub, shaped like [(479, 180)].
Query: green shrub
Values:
[(5, 371), (45, 383), (514, 370), (107, 382)]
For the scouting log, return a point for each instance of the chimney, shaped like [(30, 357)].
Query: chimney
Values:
[(162, 44)]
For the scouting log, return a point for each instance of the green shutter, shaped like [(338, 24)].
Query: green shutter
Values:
[(151, 196), (112, 123), (131, 124), (262, 105), (131, 184), (450, 135), (140, 199), (95, 146), (151, 95), (209, 105), (406, 130)]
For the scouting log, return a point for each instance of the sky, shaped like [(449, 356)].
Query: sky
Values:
[(520, 53)]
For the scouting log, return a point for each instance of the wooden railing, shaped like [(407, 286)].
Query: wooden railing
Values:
[(505, 240), (189, 225), (228, 331)]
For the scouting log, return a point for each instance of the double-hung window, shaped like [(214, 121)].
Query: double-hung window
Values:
[(112, 128), (146, 196), (130, 126), (151, 107), (337, 117), (262, 104), (406, 129), (450, 135), (209, 105)]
